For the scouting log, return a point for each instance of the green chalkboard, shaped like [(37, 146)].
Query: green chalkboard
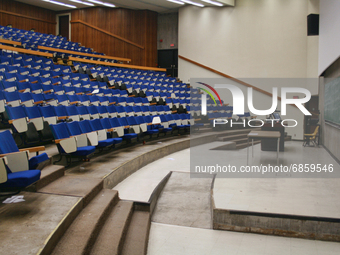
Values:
[(332, 101)]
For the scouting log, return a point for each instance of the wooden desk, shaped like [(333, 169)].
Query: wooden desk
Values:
[(263, 134)]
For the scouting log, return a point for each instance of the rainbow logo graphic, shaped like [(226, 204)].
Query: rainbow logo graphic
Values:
[(208, 92)]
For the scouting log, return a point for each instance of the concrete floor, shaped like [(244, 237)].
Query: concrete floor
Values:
[(140, 185), (185, 201), (25, 226), (297, 196), (305, 196), (178, 240)]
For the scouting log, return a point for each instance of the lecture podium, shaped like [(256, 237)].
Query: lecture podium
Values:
[(270, 144)]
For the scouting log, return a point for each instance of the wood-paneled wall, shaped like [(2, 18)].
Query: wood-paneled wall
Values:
[(24, 16), (136, 26), (139, 27)]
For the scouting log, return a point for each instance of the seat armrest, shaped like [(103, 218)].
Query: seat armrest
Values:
[(34, 149)]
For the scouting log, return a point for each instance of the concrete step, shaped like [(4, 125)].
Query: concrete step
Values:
[(81, 235), (231, 137), (111, 238), (244, 145), (226, 146), (237, 131), (49, 174), (241, 140), (136, 240), (79, 186)]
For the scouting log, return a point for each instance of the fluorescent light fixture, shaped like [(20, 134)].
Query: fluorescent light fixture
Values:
[(59, 3), (80, 2), (176, 2), (193, 3), (212, 2), (102, 3)]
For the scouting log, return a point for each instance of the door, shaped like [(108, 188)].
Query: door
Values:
[(64, 26), (169, 59)]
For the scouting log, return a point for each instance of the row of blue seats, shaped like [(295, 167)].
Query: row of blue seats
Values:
[(118, 97), (35, 38), (85, 82), (20, 116), (25, 57), (10, 29), (80, 139), (23, 60), (31, 68), (7, 61)]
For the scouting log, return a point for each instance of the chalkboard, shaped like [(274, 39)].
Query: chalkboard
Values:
[(332, 101)]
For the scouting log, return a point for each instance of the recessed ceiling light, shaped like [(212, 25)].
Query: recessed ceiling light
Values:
[(176, 2), (212, 2), (193, 3), (80, 2), (59, 3), (102, 3)]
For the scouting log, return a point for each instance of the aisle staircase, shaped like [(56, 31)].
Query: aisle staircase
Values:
[(102, 223)]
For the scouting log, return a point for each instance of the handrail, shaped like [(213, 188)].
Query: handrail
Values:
[(227, 76), (83, 54), (116, 65), (10, 42), (27, 17), (33, 52), (108, 33)]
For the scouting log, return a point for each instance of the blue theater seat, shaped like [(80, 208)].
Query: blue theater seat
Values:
[(103, 140), (8, 145), (68, 146)]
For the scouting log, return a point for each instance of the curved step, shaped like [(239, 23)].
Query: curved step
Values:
[(81, 235), (111, 238), (136, 241)]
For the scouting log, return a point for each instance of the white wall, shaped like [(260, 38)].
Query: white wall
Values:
[(254, 39), (329, 49), (262, 38)]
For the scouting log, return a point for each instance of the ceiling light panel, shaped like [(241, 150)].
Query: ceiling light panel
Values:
[(59, 3), (80, 2), (193, 3), (102, 3), (176, 2), (212, 2)]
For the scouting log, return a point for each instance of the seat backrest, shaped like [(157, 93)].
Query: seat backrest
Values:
[(60, 131), (315, 132), (85, 126), (74, 128), (61, 111), (7, 144)]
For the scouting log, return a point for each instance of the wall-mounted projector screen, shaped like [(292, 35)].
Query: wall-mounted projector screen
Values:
[(332, 101)]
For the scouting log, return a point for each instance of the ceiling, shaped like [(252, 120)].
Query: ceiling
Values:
[(153, 5)]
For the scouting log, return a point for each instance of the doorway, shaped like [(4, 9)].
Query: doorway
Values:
[(169, 59), (63, 25)]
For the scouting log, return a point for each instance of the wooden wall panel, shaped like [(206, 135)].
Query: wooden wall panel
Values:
[(137, 26), (27, 17)]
